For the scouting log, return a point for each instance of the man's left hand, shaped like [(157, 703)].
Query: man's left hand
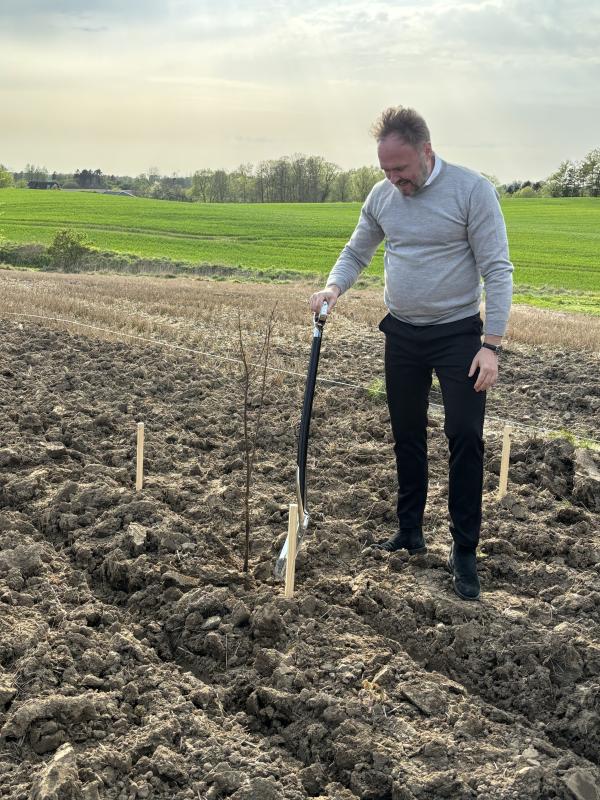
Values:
[(487, 361)]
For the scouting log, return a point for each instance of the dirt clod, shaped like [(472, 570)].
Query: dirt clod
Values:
[(138, 660)]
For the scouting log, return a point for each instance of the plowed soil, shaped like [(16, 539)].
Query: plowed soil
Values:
[(137, 660)]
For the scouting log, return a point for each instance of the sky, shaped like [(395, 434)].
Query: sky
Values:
[(507, 87)]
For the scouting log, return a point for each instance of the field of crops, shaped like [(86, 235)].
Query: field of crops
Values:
[(554, 242)]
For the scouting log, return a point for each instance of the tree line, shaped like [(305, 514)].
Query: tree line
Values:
[(571, 179), (291, 179), (576, 178), (295, 179)]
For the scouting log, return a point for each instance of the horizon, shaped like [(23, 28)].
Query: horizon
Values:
[(190, 175), (508, 88)]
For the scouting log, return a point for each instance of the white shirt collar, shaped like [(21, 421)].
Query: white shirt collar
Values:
[(437, 165)]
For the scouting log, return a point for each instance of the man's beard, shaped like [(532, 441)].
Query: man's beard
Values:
[(420, 180), (424, 174)]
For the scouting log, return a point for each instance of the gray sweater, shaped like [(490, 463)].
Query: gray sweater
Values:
[(439, 243)]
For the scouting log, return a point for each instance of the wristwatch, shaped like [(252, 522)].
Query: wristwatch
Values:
[(495, 348)]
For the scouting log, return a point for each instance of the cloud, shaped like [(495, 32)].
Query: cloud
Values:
[(519, 29), (91, 28), (260, 79), (31, 10)]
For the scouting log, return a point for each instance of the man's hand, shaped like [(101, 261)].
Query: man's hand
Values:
[(329, 295), (487, 361)]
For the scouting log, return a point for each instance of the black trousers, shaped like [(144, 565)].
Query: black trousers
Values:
[(412, 352)]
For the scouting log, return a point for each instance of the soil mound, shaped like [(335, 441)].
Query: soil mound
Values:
[(138, 661)]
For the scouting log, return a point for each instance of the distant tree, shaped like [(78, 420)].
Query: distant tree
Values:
[(589, 173), (328, 174), (262, 177), (241, 184), (362, 181), (6, 177), (169, 188), (513, 187), (280, 180), (313, 179), (83, 178), (556, 185), (523, 188), (33, 173), (219, 187), (340, 191), (571, 181), (141, 185), (526, 191), (125, 182), (201, 185), (593, 181), (298, 178), (90, 179), (271, 180)]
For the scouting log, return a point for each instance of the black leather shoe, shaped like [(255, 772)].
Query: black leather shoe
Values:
[(411, 540), (463, 566)]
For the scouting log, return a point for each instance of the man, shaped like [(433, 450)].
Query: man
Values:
[(443, 231)]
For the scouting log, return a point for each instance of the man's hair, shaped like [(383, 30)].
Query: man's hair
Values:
[(405, 123)]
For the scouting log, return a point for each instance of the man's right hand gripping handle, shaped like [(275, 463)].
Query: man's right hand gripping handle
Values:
[(329, 295)]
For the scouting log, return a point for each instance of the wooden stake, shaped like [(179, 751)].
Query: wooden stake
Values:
[(502, 488), (139, 472), (290, 566)]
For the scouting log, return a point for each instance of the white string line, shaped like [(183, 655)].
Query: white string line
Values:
[(329, 381), (185, 349)]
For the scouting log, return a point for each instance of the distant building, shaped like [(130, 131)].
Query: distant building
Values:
[(43, 185)]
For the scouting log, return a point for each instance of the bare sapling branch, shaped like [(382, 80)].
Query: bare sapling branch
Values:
[(250, 440)]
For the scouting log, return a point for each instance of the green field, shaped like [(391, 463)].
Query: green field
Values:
[(555, 243)]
